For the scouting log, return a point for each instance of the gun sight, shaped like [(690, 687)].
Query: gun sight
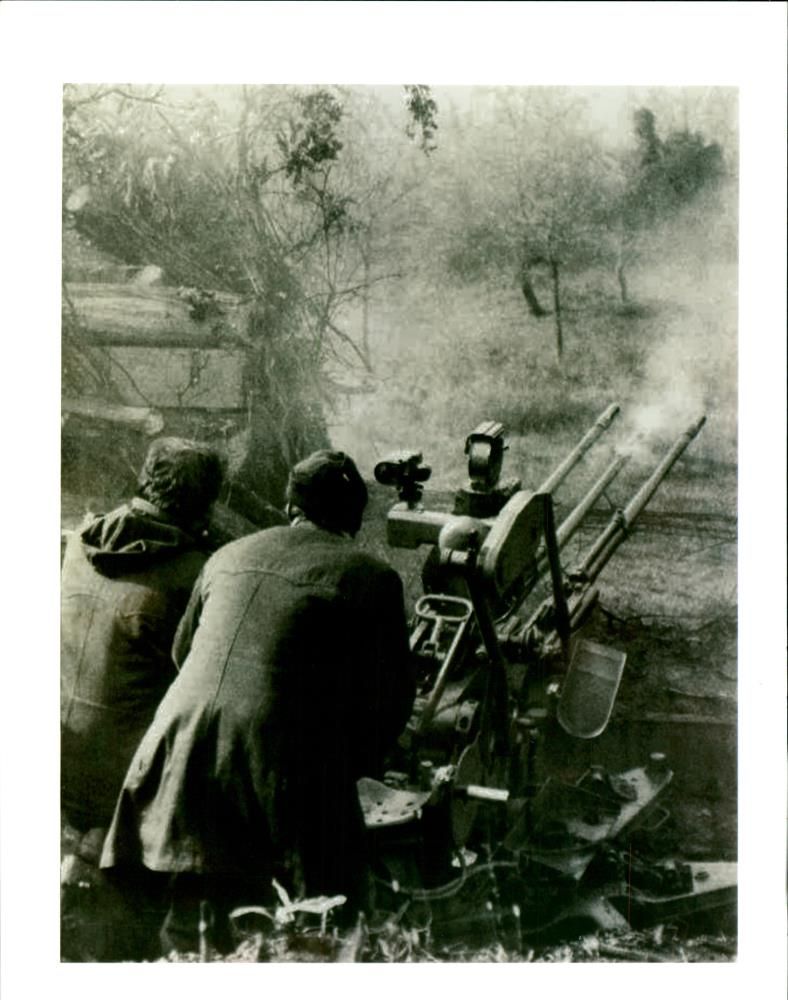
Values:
[(404, 471)]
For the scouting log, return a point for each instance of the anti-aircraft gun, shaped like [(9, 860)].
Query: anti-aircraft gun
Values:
[(464, 800)]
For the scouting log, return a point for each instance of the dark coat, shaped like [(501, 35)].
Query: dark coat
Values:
[(125, 582), (295, 679)]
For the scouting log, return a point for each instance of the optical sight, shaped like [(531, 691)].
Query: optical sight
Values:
[(403, 469)]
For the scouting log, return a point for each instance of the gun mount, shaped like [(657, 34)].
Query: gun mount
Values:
[(495, 676)]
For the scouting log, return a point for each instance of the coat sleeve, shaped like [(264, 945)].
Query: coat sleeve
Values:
[(187, 626)]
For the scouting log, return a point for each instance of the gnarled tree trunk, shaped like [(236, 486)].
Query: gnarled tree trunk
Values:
[(285, 420)]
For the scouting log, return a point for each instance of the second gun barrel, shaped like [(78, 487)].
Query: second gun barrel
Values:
[(603, 548), (559, 474)]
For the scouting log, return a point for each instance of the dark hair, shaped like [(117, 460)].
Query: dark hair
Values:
[(181, 477), (328, 488)]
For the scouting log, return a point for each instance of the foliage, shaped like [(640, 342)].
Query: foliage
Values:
[(239, 192), (423, 111), (659, 179), (312, 140)]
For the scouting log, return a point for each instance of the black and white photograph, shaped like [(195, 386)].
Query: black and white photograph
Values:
[(400, 452), (436, 714)]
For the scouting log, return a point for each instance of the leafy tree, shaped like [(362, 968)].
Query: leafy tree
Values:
[(659, 179), (240, 191), (423, 110)]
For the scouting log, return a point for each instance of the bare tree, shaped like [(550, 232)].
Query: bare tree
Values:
[(538, 197)]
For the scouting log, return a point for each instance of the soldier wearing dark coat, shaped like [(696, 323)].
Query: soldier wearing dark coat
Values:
[(295, 679), (125, 582)]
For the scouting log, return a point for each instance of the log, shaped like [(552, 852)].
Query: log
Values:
[(137, 418), (133, 315)]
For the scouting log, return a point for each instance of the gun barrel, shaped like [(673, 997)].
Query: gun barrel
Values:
[(649, 488), (570, 525), (573, 521), (559, 474), (606, 544)]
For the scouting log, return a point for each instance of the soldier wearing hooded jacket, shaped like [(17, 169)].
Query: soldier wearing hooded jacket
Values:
[(295, 679), (125, 582)]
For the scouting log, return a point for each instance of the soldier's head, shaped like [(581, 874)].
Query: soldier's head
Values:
[(182, 478), (328, 490)]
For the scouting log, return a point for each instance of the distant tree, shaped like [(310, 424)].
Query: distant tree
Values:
[(536, 195), (709, 111), (659, 179)]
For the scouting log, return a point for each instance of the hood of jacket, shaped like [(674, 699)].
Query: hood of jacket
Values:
[(132, 538)]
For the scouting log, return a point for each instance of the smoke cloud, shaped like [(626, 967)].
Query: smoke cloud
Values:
[(692, 370)]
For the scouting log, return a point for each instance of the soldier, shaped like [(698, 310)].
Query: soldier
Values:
[(125, 582), (295, 679)]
